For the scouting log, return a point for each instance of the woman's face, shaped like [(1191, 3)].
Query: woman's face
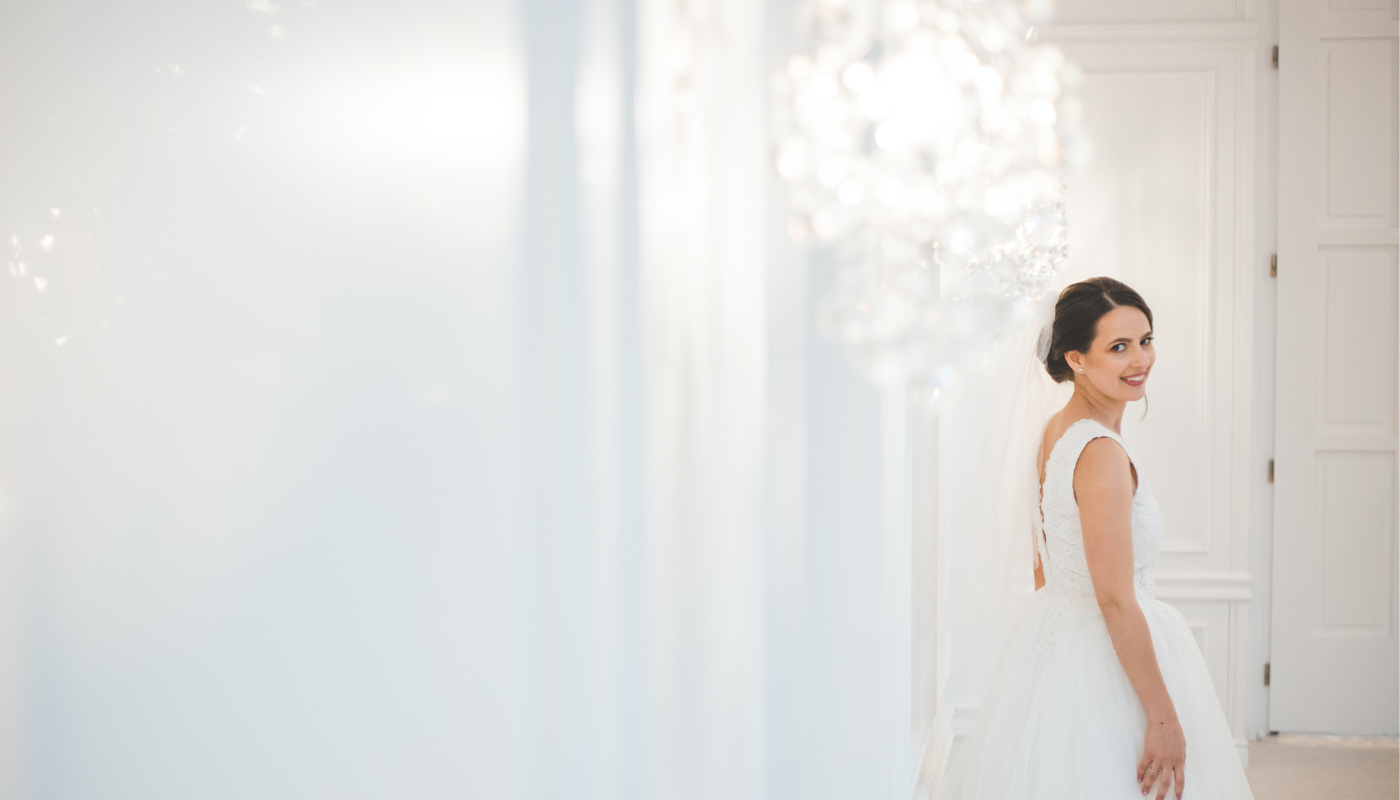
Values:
[(1120, 358)]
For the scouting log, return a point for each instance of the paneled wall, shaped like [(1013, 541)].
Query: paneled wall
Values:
[(1168, 205), (1171, 204)]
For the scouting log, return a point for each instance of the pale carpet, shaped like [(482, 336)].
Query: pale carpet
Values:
[(1285, 767)]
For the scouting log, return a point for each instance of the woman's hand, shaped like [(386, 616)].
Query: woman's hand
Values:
[(1163, 758)]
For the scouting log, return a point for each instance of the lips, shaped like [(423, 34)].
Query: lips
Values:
[(1135, 380)]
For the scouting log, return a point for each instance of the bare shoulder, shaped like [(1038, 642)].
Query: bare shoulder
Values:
[(1104, 450), (1103, 464)]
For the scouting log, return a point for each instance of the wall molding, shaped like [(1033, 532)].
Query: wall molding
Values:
[(1121, 32), (1358, 29), (1227, 586), (1156, 10), (1343, 237)]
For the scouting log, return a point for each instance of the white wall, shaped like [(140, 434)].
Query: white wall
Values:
[(391, 447), (1178, 202), (259, 452)]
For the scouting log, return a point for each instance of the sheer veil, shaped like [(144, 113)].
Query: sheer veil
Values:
[(1004, 520)]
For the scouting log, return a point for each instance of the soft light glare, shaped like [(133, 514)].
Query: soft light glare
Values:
[(833, 171), (988, 81), (799, 67), (961, 241), (472, 112), (890, 138), (858, 76), (892, 193), (826, 224), (792, 159), (903, 16), (994, 40), (960, 105), (821, 89), (468, 112)]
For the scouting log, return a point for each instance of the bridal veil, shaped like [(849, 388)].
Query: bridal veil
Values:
[(1004, 519)]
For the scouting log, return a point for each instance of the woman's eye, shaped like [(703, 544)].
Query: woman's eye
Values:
[(1117, 348)]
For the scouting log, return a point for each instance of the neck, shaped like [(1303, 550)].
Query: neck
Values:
[(1094, 404)]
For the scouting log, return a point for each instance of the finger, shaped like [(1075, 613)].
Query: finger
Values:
[(1149, 777), (1163, 783), (1179, 773), (1143, 764)]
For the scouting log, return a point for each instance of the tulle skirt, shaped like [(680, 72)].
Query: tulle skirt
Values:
[(1061, 720)]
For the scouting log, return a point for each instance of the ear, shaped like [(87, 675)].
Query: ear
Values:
[(1075, 359)]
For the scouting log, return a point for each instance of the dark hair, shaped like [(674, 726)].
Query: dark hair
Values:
[(1077, 314)]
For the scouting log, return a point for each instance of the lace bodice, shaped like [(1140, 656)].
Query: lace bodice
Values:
[(1066, 571)]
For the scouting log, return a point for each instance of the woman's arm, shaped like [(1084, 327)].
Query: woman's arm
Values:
[(1103, 487)]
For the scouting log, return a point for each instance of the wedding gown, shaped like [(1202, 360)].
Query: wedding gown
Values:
[(1060, 718)]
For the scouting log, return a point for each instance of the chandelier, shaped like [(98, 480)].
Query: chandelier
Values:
[(925, 144)]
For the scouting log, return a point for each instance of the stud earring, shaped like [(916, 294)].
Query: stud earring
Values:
[(1081, 369)]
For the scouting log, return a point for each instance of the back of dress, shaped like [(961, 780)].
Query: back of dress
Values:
[(1062, 547), (1061, 720)]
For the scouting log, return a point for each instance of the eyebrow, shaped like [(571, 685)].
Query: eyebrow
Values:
[(1126, 339)]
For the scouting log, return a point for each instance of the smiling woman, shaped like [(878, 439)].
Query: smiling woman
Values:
[(1085, 307), (1096, 675)]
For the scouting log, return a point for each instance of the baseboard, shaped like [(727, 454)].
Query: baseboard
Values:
[(964, 716), (933, 756)]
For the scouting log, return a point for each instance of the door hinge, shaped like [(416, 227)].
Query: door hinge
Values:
[(1273, 265), (1266, 673), (1275, 56), (1271, 470)]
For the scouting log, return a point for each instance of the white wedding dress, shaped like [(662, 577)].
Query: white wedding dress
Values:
[(1060, 718)]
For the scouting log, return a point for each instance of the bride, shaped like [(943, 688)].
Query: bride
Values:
[(1100, 691)]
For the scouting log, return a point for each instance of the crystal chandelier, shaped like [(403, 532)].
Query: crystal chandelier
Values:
[(925, 142)]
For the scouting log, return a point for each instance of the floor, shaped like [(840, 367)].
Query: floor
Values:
[(1287, 767)]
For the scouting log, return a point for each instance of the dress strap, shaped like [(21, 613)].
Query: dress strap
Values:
[(1083, 431), (1071, 444)]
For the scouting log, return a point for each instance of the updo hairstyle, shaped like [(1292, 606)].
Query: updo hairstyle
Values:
[(1077, 315)]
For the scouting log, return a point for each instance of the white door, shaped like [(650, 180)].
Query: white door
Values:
[(1334, 654)]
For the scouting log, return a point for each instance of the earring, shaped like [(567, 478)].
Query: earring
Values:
[(1081, 369)]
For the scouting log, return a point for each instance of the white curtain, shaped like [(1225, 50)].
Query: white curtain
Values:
[(702, 214), (422, 401)]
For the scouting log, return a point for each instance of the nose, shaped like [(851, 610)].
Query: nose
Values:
[(1141, 357)]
